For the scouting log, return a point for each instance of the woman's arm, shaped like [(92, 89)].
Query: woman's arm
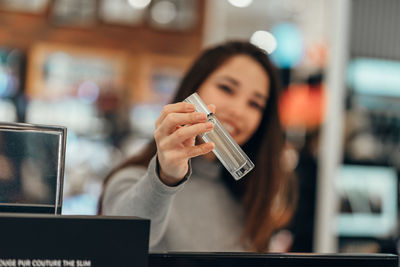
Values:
[(149, 194), (139, 192)]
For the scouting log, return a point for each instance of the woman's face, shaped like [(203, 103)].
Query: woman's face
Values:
[(239, 89)]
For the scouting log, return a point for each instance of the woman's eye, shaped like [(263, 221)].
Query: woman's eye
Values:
[(257, 105), (225, 88)]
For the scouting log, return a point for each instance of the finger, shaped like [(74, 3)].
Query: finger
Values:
[(212, 108), (189, 142), (189, 132), (180, 107), (174, 121), (198, 150)]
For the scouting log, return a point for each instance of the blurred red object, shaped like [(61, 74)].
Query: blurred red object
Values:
[(302, 105)]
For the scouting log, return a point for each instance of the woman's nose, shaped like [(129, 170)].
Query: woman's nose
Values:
[(237, 108)]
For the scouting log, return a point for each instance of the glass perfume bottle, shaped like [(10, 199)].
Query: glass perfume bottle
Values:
[(226, 149)]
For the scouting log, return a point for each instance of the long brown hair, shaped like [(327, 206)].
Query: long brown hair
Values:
[(267, 193)]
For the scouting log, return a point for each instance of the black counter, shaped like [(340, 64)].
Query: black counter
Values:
[(271, 260)]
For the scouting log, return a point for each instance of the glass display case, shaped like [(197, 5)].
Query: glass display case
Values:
[(32, 159)]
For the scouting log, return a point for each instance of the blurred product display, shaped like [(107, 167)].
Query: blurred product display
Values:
[(74, 13), (12, 71), (25, 6), (173, 14), (368, 179)]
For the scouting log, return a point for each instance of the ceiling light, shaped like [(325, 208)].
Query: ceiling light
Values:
[(264, 40), (163, 12), (240, 3), (139, 4)]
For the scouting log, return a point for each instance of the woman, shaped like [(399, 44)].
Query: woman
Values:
[(193, 202)]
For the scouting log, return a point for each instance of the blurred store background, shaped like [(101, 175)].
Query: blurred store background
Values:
[(104, 69)]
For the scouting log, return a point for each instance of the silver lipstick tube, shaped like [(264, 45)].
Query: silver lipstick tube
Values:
[(226, 149)]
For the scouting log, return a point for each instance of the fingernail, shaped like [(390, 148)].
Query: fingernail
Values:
[(200, 116), (190, 107), (209, 125)]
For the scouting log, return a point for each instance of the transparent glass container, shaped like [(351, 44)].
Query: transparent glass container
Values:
[(226, 149)]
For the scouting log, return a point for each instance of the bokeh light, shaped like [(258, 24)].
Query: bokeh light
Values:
[(371, 76), (139, 4), (164, 12), (3, 83), (264, 40), (290, 48), (88, 92), (240, 3)]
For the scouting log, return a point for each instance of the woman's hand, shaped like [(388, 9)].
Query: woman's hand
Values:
[(175, 134)]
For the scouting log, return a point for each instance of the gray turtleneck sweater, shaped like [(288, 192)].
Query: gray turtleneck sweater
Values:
[(200, 214)]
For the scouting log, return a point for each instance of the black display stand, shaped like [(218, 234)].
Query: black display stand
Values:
[(73, 241)]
